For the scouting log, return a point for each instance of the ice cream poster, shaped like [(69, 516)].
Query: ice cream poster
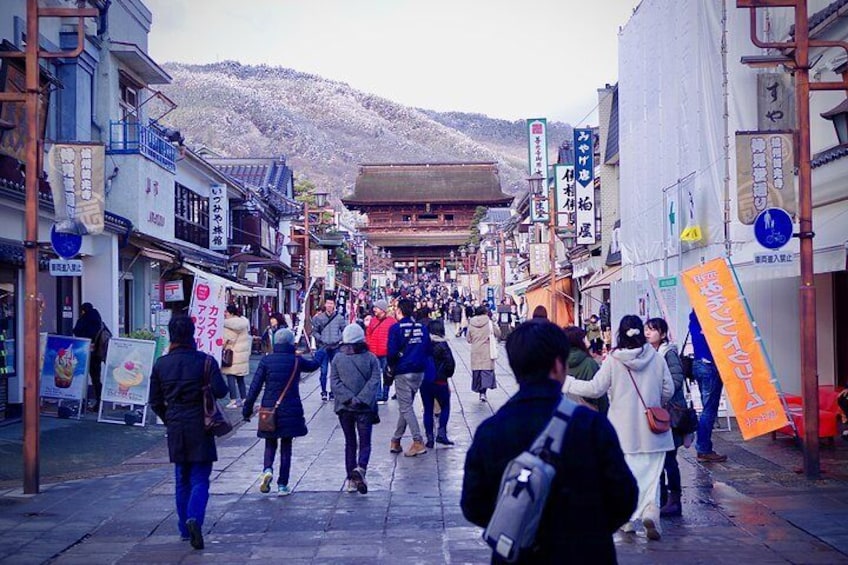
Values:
[(126, 378), (64, 373)]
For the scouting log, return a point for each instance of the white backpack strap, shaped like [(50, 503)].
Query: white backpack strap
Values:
[(553, 436)]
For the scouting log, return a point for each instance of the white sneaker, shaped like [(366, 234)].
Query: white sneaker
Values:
[(233, 404), (350, 486), (651, 521), (628, 528), (265, 484)]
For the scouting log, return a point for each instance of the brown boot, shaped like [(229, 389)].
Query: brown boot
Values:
[(673, 507), (417, 448), (394, 446)]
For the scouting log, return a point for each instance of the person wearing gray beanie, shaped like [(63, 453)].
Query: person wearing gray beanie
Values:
[(355, 379)]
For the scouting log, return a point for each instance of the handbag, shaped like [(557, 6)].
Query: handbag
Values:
[(267, 416), (685, 420), (214, 420), (227, 357), (659, 420), (493, 343)]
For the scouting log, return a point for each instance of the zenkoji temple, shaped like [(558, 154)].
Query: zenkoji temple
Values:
[(420, 212)]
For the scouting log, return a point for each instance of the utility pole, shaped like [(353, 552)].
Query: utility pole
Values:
[(34, 151), (552, 253), (799, 62)]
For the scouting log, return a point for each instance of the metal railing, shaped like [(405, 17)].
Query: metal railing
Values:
[(127, 138)]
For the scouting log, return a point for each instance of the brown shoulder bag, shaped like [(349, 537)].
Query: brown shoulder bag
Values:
[(659, 420), (267, 416)]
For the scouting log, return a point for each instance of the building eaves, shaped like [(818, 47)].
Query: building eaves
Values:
[(611, 150), (831, 10), (829, 155)]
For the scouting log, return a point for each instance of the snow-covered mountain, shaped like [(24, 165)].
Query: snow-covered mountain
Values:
[(326, 128)]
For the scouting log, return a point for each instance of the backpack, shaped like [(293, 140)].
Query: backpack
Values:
[(524, 489), (100, 347)]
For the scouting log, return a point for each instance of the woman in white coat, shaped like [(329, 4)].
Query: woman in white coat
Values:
[(644, 450), (237, 337)]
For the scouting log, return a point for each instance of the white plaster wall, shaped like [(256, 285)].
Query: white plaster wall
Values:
[(100, 279)]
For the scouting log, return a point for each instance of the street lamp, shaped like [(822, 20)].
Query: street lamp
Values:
[(320, 199)]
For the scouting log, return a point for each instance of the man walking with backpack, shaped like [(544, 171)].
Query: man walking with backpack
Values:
[(593, 491), (409, 348)]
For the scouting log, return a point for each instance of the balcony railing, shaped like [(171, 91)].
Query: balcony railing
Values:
[(126, 138)]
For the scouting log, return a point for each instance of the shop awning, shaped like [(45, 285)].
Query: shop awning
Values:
[(236, 288), (518, 289), (602, 279)]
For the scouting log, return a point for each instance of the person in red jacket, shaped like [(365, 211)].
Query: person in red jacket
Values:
[(377, 339)]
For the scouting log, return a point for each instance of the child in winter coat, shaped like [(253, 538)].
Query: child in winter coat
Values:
[(440, 367)]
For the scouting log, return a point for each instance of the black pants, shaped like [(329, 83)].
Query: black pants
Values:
[(95, 369), (353, 424), (670, 478), (285, 457)]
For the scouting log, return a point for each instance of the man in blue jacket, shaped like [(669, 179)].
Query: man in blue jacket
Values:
[(409, 348), (709, 382)]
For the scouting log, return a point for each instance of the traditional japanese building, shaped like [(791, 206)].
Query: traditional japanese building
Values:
[(420, 212)]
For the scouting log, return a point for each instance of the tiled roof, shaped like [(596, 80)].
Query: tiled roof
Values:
[(255, 172), (497, 216), (819, 17), (611, 150), (428, 182), (829, 155)]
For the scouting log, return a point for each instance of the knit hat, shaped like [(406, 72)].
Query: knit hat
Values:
[(353, 334), (382, 305), (283, 337)]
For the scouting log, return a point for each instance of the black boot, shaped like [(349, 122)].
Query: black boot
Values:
[(673, 507), (442, 438), (429, 444)]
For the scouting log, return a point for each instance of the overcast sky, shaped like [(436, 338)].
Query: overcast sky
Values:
[(510, 59)]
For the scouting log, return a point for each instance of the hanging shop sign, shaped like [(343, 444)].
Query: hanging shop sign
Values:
[(764, 173), (219, 213), (75, 171), (540, 259), (566, 198), (317, 263), (207, 311), (537, 159), (584, 180), (775, 101), (739, 356)]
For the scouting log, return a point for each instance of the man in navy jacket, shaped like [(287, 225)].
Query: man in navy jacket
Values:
[(409, 348)]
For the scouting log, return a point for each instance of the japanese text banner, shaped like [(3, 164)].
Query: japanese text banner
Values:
[(76, 178), (207, 311), (738, 356)]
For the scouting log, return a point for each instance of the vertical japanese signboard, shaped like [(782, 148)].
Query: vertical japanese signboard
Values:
[(317, 263), (775, 101), (219, 212), (207, 311), (739, 357), (537, 155), (584, 177), (566, 202), (76, 177), (765, 163), (540, 259)]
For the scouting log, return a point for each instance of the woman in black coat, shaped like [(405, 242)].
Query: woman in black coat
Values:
[(176, 396), (273, 374)]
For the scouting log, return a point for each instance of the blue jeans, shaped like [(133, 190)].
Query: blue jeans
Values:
[(384, 390), (192, 492), (431, 391), (285, 457), (325, 365), (709, 383), (357, 454)]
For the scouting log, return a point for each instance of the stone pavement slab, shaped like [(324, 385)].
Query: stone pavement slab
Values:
[(410, 515)]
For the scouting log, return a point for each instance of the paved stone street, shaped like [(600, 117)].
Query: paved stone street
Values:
[(411, 513)]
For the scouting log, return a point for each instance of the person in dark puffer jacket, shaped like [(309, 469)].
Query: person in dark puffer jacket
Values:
[(440, 367), (272, 374), (176, 396), (355, 381)]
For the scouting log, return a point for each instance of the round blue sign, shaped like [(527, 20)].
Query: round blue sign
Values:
[(773, 228), (66, 245)]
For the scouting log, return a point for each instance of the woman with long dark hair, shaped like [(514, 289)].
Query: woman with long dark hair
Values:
[(656, 333), (176, 396), (631, 371)]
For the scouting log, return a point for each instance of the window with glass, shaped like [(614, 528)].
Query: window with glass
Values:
[(191, 216)]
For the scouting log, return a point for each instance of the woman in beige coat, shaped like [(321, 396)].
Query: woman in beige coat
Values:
[(635, 362), (237, 338), (481, 329)]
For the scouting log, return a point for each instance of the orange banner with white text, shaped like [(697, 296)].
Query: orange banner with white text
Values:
[(740, 360)]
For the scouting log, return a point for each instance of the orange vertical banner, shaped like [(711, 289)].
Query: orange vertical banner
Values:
[(739, 358)]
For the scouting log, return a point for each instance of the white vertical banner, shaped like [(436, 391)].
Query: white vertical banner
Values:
[(565, 196), (207, 310), (584, 173), (318, 263), (537, 160), (219, 212), (330, 281)]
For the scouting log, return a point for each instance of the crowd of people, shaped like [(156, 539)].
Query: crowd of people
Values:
[(625, 472)]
